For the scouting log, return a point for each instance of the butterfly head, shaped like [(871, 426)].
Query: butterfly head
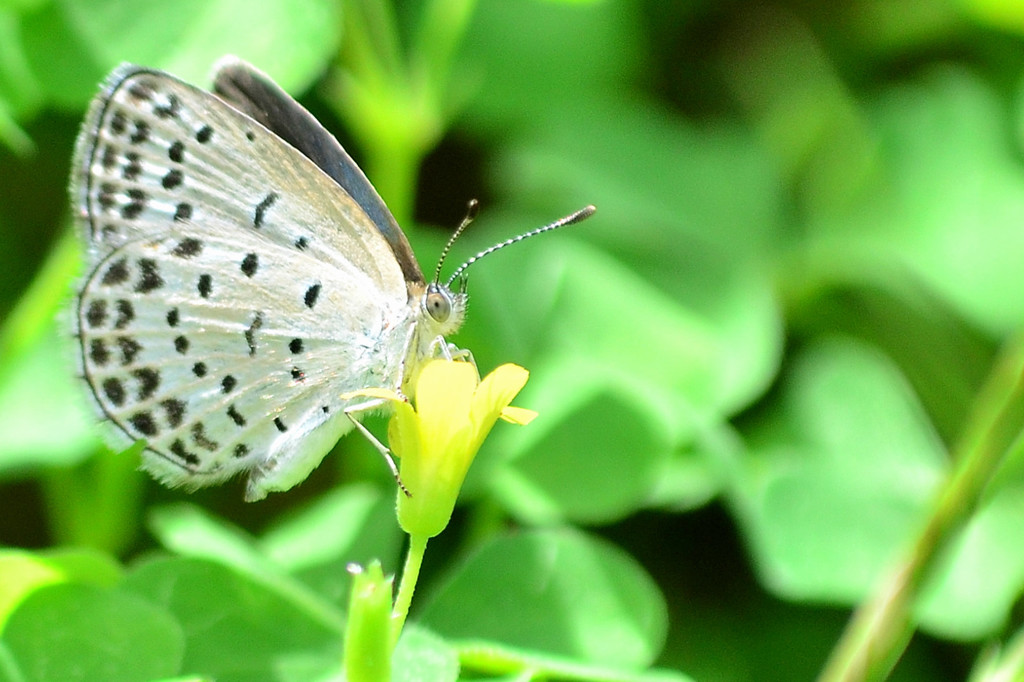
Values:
[(443, 305), (445, 309)]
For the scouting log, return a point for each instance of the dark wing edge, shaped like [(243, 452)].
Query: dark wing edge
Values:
[(80, 181), (253, 93)]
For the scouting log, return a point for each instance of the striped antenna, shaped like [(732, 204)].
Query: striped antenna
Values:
[(570, 219), (471, 210)]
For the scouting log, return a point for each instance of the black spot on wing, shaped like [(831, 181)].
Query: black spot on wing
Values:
[(140, 90), (172, 179), (98, 352), (109, 157), (312, 293), (141, 132), (176, 152), (182, 212), (205, 285), (96, 313), (179, 450), (250, 333), (114, 390), (136, 204), (116, 274), (260, 213), (250, 264), (188, 247), (236, 416), (169, 108), (149, 277), (174, 410), (105, 196), (201, 439), (132, 168), (149, 381), (144, 423), (125, 313), (118, 122), (129, 348)]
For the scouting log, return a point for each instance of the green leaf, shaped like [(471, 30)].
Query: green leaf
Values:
[(314, 545), (189, 530), (838, 476), (422, 655), (66, 633), (22, 573), (293, 42), (551, 472), (498, 659), (20, 93), (713, 349), (559, 591), (555, 65), (38, 391), (38, 388), (621, 373), (955, 604), (949, 213), (236, 628), (354, 523)]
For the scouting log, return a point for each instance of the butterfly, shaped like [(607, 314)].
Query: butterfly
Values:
[(241, 275)]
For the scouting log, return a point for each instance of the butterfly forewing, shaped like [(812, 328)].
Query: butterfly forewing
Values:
[(233, 290), (256, 95), (155, 152)]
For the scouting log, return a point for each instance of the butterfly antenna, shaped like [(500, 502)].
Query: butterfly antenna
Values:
[(471, 210), (570, 219)]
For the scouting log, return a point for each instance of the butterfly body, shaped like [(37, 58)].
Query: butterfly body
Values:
[(239, 279)]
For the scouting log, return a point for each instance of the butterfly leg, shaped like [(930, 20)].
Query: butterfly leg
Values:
[(440, 348), (369, 406)]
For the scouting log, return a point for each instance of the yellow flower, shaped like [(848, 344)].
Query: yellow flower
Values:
[(437, 439)]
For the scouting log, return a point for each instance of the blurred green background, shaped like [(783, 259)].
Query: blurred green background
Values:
[(751, 365)]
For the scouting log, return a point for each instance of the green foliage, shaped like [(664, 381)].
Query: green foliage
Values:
[(779, 369)]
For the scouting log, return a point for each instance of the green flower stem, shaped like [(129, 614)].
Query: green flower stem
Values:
[(440, 31), (95, 503), (410, 574), (394, 97), (881, 628)]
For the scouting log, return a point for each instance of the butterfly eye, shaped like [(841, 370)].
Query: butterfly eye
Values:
[(438, 305)]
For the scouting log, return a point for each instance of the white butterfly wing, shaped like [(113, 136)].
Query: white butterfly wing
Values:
[(234, 291)]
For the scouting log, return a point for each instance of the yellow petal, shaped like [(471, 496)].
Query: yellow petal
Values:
[(496, 392), (518, 415), (444, 393), (404, 431)]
